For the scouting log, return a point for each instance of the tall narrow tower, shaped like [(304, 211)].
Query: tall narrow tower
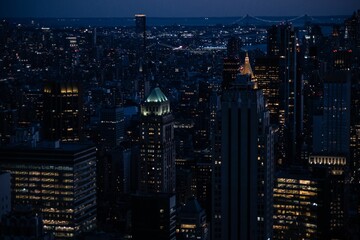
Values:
[(282, 44), (157, 156), (246, 163)]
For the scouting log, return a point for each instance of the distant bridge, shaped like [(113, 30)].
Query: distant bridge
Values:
[(249, 20)]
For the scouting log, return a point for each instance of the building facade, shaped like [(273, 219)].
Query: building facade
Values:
[(157, 153), (58, 181), (246, 164)]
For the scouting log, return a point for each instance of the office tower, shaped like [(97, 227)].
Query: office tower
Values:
[(143, 85), (157, 154), (342, 59), (153, 216), (231, 65), (331, 150), (62, 111), (191, 222), (332, 128), (5, 193), (202, 179), (267, 71), (111, 126), (233, 47), (140, 27), (58, 181), (282, 43), (352, 26), (332, 171), (297, 203), (184, 180), (246, 164), (355, 126)]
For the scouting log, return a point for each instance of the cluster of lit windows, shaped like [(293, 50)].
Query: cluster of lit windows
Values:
[(327, 160), (295, 203)]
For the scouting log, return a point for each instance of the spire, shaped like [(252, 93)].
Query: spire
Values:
[(247, 67)]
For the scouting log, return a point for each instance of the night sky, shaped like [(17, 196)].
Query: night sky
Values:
[(174, 8)]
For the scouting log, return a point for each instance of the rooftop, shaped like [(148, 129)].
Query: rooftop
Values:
[(156, 95)]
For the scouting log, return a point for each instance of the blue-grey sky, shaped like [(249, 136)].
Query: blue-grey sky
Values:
[(174, 8)]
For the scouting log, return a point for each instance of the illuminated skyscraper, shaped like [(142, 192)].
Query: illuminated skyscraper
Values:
[(62, 112), (246, 164), (267, 72), (157, 154), (296, 205), (58, 181)]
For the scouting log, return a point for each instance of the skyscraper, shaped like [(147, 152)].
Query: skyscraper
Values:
[(231, 65), (332, 128), (5, 193), (282, 44), (331, 150), (58, 181), (297, 204), (154, 216), (140, 29), (157, 154), (111, 126), (267, 72), (246, 163), (62, 112)]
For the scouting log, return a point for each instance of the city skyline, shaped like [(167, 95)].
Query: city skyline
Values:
[(161, 8)]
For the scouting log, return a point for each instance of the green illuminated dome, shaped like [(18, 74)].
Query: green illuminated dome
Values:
[(156, 95)]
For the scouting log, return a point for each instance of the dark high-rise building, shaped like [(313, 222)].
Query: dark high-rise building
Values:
[(355, 126), (23, 223), (5, 193), (342, 59), (331, 146), (140, 22), (191, 222), (157, 153), (62, 111), (8, 123), (231, 65), (352, 26), (58, 181), (142, 86), (332, 171), (246, 165), (332, 128), (233, 48), (112, 126), (267, 72), (282, 44), (153, 216)]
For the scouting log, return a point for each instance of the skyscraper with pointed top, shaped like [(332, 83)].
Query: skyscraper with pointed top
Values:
[(157, 156)]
